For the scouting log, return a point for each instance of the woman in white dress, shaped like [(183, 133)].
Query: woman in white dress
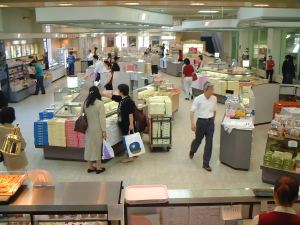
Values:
[(96, 131)]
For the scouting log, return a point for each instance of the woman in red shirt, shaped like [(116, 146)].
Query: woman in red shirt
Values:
[(270, 68), (187, 78), (180, 56), (200, 64), (285, 195)]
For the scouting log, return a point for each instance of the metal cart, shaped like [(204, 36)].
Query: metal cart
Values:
[(160, 132)]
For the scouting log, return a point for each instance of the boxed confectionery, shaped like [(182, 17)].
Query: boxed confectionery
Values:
[(46, 114), (40, 132)]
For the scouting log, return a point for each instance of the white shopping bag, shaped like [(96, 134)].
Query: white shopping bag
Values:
[(108, 151), (133, 144)]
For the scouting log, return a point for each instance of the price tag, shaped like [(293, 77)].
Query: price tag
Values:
[(293, 144)]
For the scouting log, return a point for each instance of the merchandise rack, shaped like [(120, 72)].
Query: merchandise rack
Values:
[(161, 120)]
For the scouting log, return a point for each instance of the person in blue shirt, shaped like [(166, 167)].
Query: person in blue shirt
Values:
[(39, 78), (71, 61)]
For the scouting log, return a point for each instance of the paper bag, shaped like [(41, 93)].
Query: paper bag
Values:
[(108, 151), (133, 144)]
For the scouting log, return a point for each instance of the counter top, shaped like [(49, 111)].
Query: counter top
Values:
[(65, 196)]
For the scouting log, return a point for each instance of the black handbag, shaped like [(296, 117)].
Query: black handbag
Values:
[(81, 123)]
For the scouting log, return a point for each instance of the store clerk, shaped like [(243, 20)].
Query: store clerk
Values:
[(89, 58), (116, 66), (205, 107), (285, 195)]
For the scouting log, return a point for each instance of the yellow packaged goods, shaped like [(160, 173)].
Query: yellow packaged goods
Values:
[(268, 156)]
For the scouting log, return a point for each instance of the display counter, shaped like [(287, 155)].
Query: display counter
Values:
[(56, 203), (57, 70), (174, 68), (55, 134), (204, 206), (84, 66)]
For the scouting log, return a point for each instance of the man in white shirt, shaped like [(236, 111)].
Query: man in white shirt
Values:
[(98, 68), (154, 62), (205, 107), (89, 58)]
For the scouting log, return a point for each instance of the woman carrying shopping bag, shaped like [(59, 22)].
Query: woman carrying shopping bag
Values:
[(125, 112), (187, 78), (96, 131)]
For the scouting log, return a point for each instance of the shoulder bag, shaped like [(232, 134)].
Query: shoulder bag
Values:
[(195, 77), (81, 123)]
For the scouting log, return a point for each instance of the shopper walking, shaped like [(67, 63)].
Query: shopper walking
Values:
[(39, 78), (116, 66), (270, 68), (288, 70), (163, 50), (285, 194), (3, 100), (13, 163), (89, 58), (205, 107), (95, 113), (98, 68), (71, 63), (154, 62), (187, 78), (125, 112)]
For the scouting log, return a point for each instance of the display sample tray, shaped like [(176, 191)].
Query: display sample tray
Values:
[(144, 194)]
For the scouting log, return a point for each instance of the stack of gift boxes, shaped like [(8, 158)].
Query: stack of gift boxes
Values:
[(71, 135), (41, 133), (279, 160), (57, 132), (46, 115), (113, 132), (160, 105), (161, 130)]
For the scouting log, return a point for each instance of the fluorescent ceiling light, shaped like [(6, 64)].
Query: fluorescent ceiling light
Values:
[(131, 3), (197, 3), (261, 5), (208, 11), (3, 6), (65, 4)]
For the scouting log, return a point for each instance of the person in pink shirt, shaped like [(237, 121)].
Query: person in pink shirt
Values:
[(270, 68)]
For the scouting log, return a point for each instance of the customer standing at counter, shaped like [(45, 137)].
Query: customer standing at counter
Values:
[(116, 66), (285, 195), (99, 67), (13, 163), (109, 58), (125, 112), (187, 78), (71, 63), (205, 107), (39, 78), (95, 113), (200, 64), (270, 68), (89, 58), (154, 62), (288, 70), (180, 56)]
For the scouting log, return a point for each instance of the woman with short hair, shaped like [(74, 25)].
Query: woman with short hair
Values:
[(187, 78)]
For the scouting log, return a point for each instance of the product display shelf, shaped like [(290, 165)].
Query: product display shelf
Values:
[(64, 202), (174, 68), (187, 199)]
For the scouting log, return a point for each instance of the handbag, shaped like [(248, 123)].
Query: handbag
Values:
[(133, 144), (81, 123), (195, 77)]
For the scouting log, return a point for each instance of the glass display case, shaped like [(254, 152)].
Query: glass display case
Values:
[(8, 52), (27, 49)]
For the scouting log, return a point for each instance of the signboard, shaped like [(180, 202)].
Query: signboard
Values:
[(72, 49), (72, 36)]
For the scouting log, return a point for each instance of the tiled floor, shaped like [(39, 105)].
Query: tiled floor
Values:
[(173, 168)]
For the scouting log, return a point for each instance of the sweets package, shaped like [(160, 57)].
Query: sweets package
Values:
[(285, 125)]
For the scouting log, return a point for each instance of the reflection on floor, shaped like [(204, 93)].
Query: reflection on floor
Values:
[(173, 168)]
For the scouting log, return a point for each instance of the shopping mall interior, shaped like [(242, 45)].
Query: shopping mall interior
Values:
[(233, 45)]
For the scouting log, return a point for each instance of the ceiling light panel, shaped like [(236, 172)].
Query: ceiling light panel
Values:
[(261, 5), (131, 3), (197, 3), (65, 4), (203, 11)]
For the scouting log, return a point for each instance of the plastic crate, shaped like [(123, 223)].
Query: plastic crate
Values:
[(279, 105)]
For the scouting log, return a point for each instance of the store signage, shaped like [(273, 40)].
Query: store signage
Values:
[(72, 36), (16, 42), (292, 144), (72, 49), (110, 35)]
